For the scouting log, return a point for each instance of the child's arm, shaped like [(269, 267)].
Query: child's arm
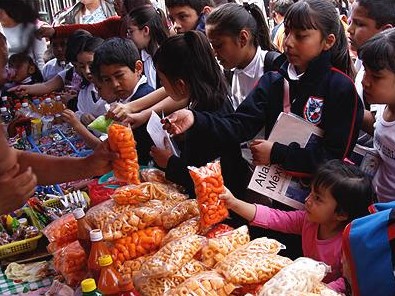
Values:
[(39, 89), (368, 121), (90, 139), (242, 208)]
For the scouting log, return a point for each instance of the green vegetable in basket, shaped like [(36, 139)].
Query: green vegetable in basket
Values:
[(12, 224), (100, 124)]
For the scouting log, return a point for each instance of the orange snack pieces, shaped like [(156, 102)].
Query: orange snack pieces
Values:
[(139, 243), (208, 185), (121, 141), (129, 195)]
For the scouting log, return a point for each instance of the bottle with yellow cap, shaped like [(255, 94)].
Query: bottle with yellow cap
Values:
[(88, 287), (109, 276)]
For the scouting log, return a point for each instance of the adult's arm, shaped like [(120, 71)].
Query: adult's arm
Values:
[(38, 89)]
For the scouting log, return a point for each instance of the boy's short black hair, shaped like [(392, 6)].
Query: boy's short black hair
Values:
[(115, 51), (379, 51), (281, 6), (381, 11), (196, 5), (350, 187)]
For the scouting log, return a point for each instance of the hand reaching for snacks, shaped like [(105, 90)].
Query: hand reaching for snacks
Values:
[(244, 209), (178, 122), (261, 150)]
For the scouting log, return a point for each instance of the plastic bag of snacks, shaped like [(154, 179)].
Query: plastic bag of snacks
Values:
[(170, 258), (98, 215), (61, 232), (71, 262), (156, 175), (121, 141), (208, 185), (300, 276), (186, 228), (156, 286), (208, 283), (253, 263), (137, 244), (217, 248), (161, 191), (130, 194), (218, 230), (181, 212), (131, 267)]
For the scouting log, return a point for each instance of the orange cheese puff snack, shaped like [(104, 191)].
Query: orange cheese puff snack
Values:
[(181, 212), (139, 243), (71, 262), (207, 283), (186, 228), (170, 258), (217, 248), (208, 185), (121, 141), (61, 232), (131, 267), (129, 194), (156, 286)]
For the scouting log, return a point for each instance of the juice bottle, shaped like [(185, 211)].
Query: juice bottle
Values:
[(83, 229), (88, 287), (47, 107), (98, 249), (58, 105), (109, 277)]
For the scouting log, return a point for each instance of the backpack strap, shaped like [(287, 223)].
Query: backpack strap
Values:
[(273, 61)]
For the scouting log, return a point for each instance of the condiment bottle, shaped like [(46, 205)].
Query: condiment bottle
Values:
[(88, 287), (109, 277), (83, 229), (98, 249)]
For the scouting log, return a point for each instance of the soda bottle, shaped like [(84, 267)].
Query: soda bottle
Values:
[(37, 108), (88, 287), (58, 105), (47, 107), (25, 110), (98, 249), (109, 277), (5, 102), (6, 119), (47, 119), (83, 229)]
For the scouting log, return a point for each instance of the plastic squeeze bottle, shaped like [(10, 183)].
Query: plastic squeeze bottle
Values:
[(83, 229), (98, 249), (109, 277), (88, 287)]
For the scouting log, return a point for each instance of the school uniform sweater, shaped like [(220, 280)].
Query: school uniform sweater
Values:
[(323, 95)]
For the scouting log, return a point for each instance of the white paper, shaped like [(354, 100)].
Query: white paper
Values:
[(158, 134)]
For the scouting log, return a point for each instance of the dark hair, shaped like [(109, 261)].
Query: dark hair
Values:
[(18, 59), (20, 11), (153, 18), (115, 51), (281, 6), (74, 44), (322, 15), (381, 11), (189, 57), (196, 5), (379, 51), (130, 5), (231, 18), (350, 187), (3, 50), (91, 44)]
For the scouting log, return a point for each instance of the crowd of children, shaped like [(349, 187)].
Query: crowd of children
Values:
[(218, 75)]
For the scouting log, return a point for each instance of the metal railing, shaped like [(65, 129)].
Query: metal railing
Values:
[(49, 8)]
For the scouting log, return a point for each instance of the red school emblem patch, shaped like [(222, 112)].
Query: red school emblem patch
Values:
[(313, 110)]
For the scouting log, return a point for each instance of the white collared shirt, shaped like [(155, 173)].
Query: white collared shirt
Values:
[(142, 80), (53, 67), (149, 69), (244, 80), (87, 104), (292, 74)]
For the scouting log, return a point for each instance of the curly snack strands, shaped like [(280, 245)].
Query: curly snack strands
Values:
[(170, 258), (217, 248), (132, 267), (186, 228), (300, 276), (137, 244), (156, 286), (253, 263), (129, 195), (208, 283), (208, 185), (181, 212), (121, 141)]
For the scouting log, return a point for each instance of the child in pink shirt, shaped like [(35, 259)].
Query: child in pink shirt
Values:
[(340, 192)]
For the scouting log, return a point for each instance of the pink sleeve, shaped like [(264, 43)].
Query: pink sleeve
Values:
[(338, 285), (287, 222)]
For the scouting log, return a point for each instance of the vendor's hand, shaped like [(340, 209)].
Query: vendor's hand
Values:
[(16, 189), (45, 31), (229, 198), (100, 162), (161, 156), (136, 119), (261, 150), (70, 117), (87, 118), (118, 111), (20, 90), (178, 122)]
